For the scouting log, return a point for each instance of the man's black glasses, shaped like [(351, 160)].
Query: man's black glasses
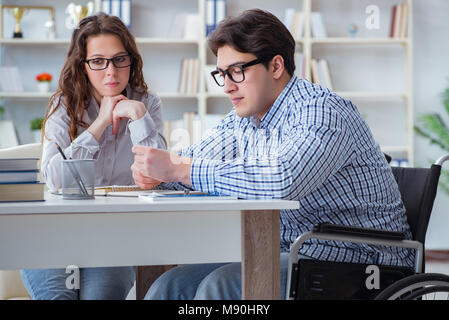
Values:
[(235, 73), (102, 63)]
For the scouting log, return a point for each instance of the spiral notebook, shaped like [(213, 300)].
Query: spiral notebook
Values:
[(114, 190), (117, 190)]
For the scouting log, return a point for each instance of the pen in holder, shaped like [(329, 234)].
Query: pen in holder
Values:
[(73, 183), (78, 179)]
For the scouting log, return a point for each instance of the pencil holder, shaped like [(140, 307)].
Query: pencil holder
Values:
[(78, 179)]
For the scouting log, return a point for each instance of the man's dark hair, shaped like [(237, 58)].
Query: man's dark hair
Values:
[(258, 32)]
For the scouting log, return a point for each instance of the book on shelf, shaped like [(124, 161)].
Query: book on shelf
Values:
[(399, 21), (192, 27), (314, 71), (299, 64), (294, 21), (320, 73), (8, 136), (189, 75), (215, 12), (185, 26), (324, 74), (10, 80), (317, 25), (169, 195), (177, 26), (22, 192)]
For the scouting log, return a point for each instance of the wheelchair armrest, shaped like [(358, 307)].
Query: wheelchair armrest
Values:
[(359, 232)]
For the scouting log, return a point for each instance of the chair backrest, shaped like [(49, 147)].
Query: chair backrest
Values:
[(418, 188)]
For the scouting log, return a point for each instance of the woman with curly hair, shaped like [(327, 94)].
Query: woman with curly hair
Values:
[(101, 109)]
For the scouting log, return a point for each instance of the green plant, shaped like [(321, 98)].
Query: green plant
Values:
[(36, 124), (2, 111), (433, 127)]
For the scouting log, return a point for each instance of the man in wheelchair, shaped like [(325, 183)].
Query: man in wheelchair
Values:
[(327, 160), (311, 279)]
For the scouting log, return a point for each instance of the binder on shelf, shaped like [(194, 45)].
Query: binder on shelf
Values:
[(215, 12), (118, 8)]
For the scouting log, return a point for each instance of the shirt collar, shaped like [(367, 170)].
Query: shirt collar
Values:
[(269, 118)]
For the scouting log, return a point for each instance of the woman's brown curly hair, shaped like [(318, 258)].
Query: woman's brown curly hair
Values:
[(74, 86)]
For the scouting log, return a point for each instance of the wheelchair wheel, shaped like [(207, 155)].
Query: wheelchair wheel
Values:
[(425, 286)]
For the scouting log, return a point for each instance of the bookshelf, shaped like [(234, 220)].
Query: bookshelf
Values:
[(404, 43), (163, 55)]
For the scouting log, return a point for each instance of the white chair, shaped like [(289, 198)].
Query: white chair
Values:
[(11, 285)]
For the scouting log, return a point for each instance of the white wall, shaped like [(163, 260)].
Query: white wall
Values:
[(352, 68), (431, 69)]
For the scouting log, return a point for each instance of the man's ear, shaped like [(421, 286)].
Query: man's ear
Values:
[(277, 66)]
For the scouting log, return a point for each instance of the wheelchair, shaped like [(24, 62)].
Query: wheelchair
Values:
[(327, 280)]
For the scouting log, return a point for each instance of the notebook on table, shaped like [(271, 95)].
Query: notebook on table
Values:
[(170, 195)]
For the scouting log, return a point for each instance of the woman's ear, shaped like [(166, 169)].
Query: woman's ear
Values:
[(277, 66)]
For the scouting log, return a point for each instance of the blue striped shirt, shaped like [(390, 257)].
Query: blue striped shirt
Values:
[(314, 147)]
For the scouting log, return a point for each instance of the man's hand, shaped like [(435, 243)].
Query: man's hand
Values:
[(151, 165), (142, 181)]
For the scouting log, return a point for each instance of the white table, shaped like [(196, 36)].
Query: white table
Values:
[(118, 231)]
